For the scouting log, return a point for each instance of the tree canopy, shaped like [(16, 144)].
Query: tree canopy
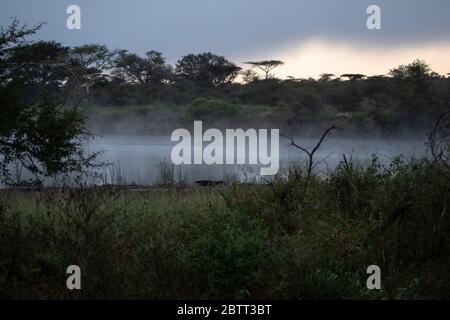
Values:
[(266, 66), (206, 69), (130, 68), (40, 135)]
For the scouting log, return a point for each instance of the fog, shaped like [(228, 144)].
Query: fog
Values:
[(135, 159)]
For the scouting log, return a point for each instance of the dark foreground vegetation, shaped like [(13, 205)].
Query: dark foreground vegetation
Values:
[(271, 241)]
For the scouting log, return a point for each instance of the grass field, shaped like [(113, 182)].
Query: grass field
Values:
[(281, 240)]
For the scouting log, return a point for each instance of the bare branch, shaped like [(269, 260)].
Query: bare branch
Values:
[(439, 139), (311, 153)]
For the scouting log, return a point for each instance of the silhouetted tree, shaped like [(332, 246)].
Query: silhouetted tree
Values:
[(43, 137), (10, 37), (416, 75), (249, 76), (206, 69), (133, 69), (353, 76), (88, 64), (324, 77), (266, 66), (37, 67)]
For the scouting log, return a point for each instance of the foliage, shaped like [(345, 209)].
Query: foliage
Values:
[(43, 139), (272, 241), (266, 66), (130, 68), (38, 134), (206, 69), (204, 109), (406, 99)]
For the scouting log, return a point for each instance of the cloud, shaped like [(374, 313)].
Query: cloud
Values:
[(321, 55), (237, 28)]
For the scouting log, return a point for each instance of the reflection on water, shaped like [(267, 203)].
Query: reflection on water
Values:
[(135, 159)]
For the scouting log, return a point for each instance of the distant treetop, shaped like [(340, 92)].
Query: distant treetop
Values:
[(266, 66)]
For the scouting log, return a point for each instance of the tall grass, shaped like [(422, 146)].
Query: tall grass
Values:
[(112, 174), (168, 175), (276, 240)]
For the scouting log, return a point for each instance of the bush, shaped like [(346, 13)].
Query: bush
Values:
[(268, 241), (204, 109)]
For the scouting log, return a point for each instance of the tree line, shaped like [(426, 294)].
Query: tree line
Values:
[(95, 74), (43, 84)]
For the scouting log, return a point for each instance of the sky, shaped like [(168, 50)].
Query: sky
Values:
[(310, 36)]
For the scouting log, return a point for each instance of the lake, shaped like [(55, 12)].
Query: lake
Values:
[(137, 159)]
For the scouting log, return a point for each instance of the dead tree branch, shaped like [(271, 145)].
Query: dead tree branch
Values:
[(439, 139), (311, 153)]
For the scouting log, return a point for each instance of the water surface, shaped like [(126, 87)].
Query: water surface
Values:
[(134, 159)]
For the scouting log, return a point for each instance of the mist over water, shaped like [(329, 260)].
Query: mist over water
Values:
[(134, 159)]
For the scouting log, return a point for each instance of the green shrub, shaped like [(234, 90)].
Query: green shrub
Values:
[(204, 109), (274, 240)]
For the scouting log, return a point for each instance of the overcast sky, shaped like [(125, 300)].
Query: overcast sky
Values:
[(311, 36)]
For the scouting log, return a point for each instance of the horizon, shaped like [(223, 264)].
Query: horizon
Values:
[(310, 38)]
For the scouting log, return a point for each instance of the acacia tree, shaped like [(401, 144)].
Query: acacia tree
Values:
[(353, 76), (249, 76), (42, 137), (130, 68), (41, 140), (266, 66), (11, 37), (206, 69), (87, 65), (325, 77), (36, 67)]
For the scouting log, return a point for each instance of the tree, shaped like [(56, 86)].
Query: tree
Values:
[(15, 34), (43, 138), (416, 75), (353, 76), (439, 139), (310, 153), (324, 77), (36, 65), (266, 66), (88, 64), (11, 37), (152, 69), (206, 69), (249, 76)]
